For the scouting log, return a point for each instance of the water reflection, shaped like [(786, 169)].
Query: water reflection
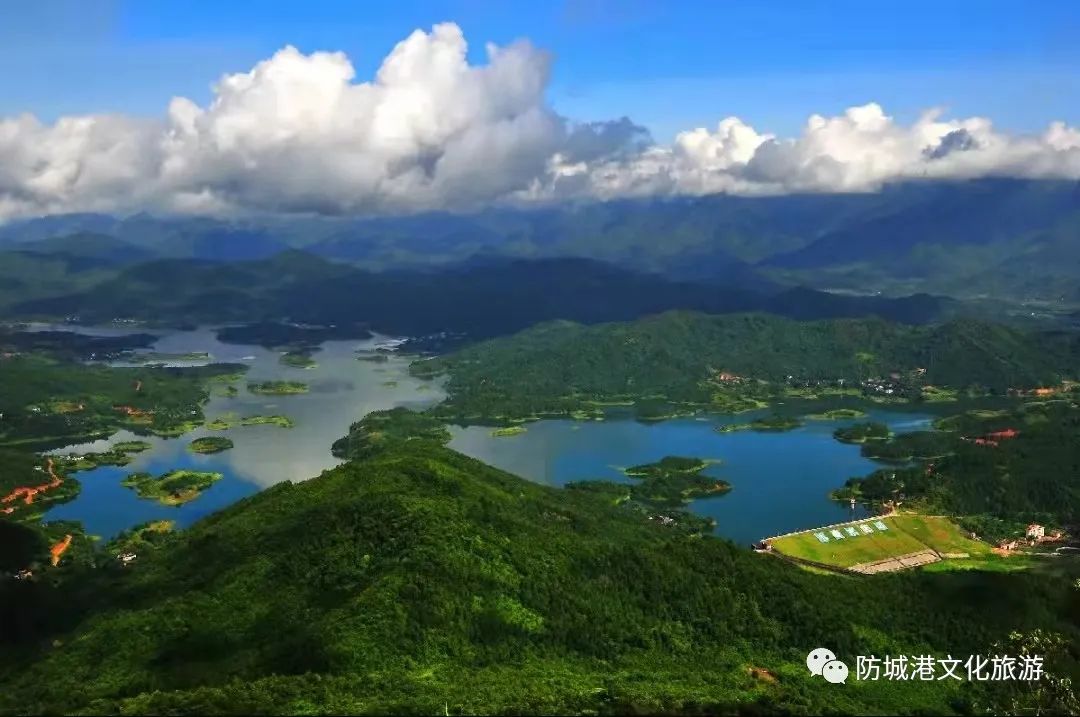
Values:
[(780, 481), (343, 390)]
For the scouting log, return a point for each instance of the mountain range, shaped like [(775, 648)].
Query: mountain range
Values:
[(1005, 238)]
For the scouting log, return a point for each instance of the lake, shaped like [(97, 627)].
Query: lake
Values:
[(780, 481), (342, 390)]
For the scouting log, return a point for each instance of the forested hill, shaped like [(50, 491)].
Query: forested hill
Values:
[(673, 354), (418, 580), (482, 299)]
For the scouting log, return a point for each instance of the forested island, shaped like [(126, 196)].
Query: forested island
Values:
[(508, 431), (278, 388), (863, 432), (230, 420), (769, 424), (298, 358), (673, 481), (210, 444), (173, 488)]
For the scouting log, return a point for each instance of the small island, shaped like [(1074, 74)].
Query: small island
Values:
[(298, 358), (230, 420), (132, 446), (673, 481), (508, 431), (156, 357), (772, 424), (173, 488), (837, 414), (666, 465), (119, 455), (278, 388), (373, 357), (863, 432), (210, 444)]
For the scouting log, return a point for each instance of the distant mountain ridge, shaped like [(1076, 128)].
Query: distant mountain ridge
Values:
[(494, 296), (1000, 237)]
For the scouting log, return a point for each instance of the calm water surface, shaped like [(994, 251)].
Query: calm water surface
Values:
[(343, 390), (780, 481)]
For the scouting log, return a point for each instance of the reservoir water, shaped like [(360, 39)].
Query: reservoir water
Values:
[(342, 390), (780, 481)]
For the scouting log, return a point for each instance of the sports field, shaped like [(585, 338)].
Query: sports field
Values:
[(903, 535)]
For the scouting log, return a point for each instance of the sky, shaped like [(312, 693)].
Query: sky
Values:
[(670, 67), (667, 65)]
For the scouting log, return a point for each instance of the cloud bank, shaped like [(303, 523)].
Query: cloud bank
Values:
[(299, 133)]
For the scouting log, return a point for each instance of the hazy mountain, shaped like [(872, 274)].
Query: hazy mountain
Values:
[(493, 296), (1018, 238)]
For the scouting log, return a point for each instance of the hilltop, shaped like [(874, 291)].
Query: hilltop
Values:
[(413, 578)]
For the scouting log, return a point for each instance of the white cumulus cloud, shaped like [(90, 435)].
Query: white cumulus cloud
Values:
[(300, 133), (857, 151)]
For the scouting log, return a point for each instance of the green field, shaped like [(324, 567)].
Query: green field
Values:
[(906, 534), (942, 535)]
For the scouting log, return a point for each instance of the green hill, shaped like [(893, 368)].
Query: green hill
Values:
[(414, 579), (310, 289), (561, 365)]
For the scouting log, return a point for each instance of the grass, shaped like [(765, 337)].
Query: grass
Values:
[(941, 534), (849, 551), (509, 431), (907, 533)]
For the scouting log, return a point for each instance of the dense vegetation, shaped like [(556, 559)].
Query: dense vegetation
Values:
[(416, 579), (862, 432), (727, 360), (230, 420), (298, 358), (278, 388), (980, 468), (47, 402), (305, 288), (173, 488), (671, 482), (71, 345), (767, 424), (210, 444)]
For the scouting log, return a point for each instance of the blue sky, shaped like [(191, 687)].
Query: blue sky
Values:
[(668, 65)]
